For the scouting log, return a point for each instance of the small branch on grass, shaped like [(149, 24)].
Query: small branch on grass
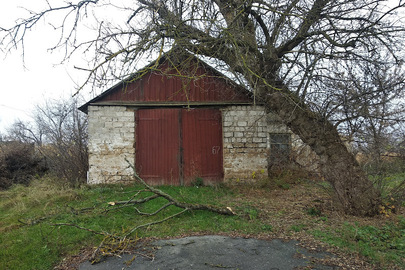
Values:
[(113, 245), (154, 213), (155, 222), (226, 211), (132, 199), (32, 222), (136, 201), (122, 204)]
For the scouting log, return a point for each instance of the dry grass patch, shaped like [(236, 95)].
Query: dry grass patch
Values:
[(305, 211)]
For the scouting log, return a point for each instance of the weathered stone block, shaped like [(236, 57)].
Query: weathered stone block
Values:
[(262, 145), (108, 125), (129, 124), (117, 124), (259, 140)]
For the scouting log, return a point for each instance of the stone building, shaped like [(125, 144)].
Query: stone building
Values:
[(177, 121)]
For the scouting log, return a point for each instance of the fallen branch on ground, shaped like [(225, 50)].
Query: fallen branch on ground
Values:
[(188, 206), (155, 222), (114, 245)]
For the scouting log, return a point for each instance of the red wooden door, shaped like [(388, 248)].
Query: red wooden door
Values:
[(175, 146), (157, 146), (202, 145)]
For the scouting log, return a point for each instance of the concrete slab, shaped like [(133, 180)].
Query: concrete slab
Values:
[(217, 252)]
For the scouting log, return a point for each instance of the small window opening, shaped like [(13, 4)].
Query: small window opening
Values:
[(280, 147)]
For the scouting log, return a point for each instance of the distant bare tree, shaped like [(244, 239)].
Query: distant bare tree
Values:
[(60, 132), (25, 132), (65, 137), (282, 50)]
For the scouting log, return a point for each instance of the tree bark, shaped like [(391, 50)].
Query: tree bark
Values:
[(353, 189)]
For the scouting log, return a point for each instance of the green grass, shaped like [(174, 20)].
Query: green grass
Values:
[(29, 239), (390, 184), (382, 245), (43, 245)]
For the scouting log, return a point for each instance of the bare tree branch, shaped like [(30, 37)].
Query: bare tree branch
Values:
[(187, 206)]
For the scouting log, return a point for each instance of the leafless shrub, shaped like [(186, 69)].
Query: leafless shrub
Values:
[(19, 163)]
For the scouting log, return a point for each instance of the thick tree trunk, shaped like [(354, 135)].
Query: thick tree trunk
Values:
[(353, 189), (260, 67)]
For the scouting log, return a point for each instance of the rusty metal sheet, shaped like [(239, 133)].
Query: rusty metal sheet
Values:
[(176, 146), (202, 145), (157, 146), (167, 85)]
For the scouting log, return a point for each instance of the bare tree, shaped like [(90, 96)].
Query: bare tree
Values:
[(366, 103), (25, 132), (65, 136), (282, 50), (60, 132)]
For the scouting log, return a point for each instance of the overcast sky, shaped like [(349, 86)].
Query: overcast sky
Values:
[(40, 77)]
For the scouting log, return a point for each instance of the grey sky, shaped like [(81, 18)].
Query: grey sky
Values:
[(41, 78)]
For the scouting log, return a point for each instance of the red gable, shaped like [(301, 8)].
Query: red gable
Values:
[(170, 81)]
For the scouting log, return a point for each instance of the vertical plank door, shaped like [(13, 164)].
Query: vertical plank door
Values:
[(177, 146), (202, 145), (157, 155)]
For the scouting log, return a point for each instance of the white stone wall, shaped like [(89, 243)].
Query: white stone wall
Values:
[(111, 140), (245, 143)]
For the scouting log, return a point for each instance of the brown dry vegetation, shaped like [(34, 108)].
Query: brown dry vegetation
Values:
[(297, 208)]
